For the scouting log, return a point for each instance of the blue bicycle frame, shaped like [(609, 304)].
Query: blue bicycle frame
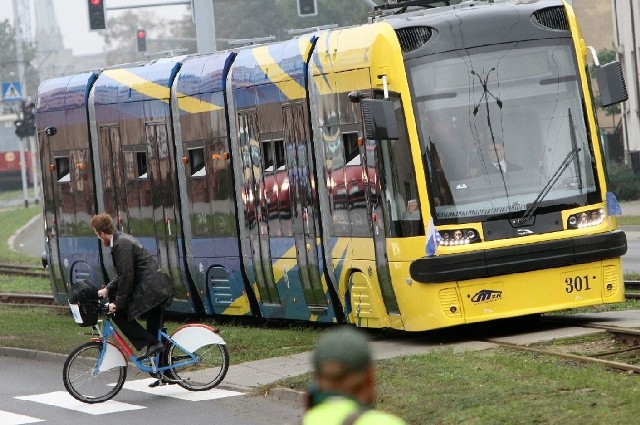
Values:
[(114, 354)]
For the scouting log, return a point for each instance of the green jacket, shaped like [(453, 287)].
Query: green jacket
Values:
[(336, 409)]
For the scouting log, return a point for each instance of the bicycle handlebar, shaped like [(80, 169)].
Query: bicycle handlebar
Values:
[(103, 306)]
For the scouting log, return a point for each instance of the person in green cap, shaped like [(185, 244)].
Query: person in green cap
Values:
[(343, 391)]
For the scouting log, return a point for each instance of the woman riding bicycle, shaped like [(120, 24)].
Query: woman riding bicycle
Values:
[(140, 286)]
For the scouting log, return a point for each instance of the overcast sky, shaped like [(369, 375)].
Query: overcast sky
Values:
[(74, 22)]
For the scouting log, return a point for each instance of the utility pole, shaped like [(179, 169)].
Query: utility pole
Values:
[(205, 25), (22, 22), (20, 58)]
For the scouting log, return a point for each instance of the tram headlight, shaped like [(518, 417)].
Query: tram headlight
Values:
[(586, 219), (453, 237)]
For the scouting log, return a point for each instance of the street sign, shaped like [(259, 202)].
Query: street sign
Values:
[(11, 91)]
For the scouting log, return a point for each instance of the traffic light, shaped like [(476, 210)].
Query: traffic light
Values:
[(307, 8), (141, 38), (26, 126), (29, 120), (96, 15), (20, 129)]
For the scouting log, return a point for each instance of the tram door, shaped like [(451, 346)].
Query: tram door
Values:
[(256, 249), (304, 209), (113, 192), (375, 201), (160, 196), (51, 201), (115, 200)]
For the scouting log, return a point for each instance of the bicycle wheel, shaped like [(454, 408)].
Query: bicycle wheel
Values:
[(212, 354), (85, 385)]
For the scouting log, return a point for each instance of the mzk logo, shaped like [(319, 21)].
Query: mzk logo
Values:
[(486, 295)]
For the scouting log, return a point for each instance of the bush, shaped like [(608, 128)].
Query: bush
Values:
[(623, 182)]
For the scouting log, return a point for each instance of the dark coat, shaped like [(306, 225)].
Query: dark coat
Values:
[(140, 284)]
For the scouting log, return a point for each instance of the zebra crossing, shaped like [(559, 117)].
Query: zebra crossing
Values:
[(62, 399)]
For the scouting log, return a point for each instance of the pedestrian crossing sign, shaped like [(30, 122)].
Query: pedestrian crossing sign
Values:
[(11, 91)]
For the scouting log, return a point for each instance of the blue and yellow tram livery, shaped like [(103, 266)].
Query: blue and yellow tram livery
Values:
[(433, 167)]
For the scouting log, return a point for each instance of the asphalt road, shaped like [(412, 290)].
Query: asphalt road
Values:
[(32, 391), (30, 239)]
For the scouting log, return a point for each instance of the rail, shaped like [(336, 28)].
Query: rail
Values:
[(628, 337), (632, 288), (22, 270), (28, 299)]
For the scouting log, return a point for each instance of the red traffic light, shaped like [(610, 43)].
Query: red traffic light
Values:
[(141, 39), (97, 19)]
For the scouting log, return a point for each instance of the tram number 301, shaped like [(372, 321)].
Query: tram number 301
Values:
[(577, 284)]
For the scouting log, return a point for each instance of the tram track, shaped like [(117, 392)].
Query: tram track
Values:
[(28, 299), (632, 288), (575, 357), (22, 270), (626, 339)]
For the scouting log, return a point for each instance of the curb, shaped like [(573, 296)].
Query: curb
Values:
[(286, 395), (32, 354)]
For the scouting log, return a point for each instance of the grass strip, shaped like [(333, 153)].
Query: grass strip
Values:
[(53, 330), (10, 284), (499, 386)]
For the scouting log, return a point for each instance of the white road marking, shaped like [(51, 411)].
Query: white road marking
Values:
[(64, 400), (8, 418), (176, 391)]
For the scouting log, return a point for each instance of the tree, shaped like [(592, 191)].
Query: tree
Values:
[(606, 56), (241, 19), (120, 36), (9, 60)]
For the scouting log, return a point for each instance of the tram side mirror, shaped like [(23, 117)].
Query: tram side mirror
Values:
[(379, 120), (611, 84)]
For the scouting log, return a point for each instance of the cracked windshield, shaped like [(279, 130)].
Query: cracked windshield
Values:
[(502, 130)]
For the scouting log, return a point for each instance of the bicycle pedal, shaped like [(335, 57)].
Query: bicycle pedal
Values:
[(162, 381), (156, 383)]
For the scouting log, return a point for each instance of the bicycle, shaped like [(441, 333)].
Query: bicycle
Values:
[(195, 357)]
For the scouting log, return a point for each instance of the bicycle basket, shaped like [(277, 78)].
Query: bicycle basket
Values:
[(83, 302), (84, 314)]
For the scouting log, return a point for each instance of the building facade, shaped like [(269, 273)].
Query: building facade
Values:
[(626, 23)]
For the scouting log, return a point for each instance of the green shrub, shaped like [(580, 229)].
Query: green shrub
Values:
[(623, 182)]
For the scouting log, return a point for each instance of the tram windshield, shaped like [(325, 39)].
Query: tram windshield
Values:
[(503, 127)]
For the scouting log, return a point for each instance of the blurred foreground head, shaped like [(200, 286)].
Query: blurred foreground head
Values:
[(342, 363)]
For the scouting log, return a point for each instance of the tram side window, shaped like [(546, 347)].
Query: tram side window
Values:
[(351, 151), (398, 179), (63, 174), (334, 175), (220, 169), (346, 182), (141, 162), (276, 188), (196, 162), (354, 186)]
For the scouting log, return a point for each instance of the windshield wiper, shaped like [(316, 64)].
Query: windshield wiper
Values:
[(574, 145), (547, 188), (573, 153)]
